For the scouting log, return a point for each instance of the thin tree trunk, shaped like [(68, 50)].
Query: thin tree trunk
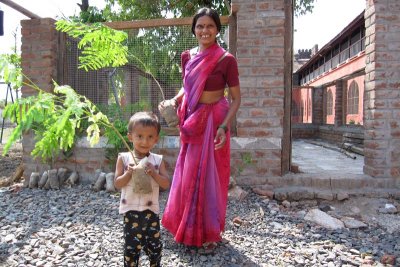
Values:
[(84, 6)]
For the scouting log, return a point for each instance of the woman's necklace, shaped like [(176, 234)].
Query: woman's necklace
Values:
[(194, 51)]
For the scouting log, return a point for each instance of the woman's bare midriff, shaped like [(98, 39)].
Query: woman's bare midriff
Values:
[(209, 97)]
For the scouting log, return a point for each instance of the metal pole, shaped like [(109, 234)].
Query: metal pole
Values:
[(2, 124), (20, 9)]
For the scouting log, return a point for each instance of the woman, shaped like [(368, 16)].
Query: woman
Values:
[(196, 207)]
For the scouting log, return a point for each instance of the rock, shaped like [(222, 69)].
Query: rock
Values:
[(353, 223), (300, 195), (324, 195), (237, 193), (101, 180), (355, 210), (43, 179), (8, 238), (342, 196), (325, 207), (62, 175), (237, 221), (278, 195), (110, 182), (34, 180), (73, 178), (286, 204), (388, 259), (53, 180), (96, 175), (319, 217), (232, 182), (263, 192), (25, 183), (388, 209)]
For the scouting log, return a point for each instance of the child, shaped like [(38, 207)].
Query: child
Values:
[(141, 221)]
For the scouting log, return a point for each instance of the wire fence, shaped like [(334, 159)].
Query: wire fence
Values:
[(153, 71)]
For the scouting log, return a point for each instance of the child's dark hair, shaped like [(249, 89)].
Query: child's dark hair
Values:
[(205, 11), (146, 118)]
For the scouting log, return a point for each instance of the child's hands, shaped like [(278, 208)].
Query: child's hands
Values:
[(150, 169), (130, 169)]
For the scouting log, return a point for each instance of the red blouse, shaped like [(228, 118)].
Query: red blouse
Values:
[(225, 73)]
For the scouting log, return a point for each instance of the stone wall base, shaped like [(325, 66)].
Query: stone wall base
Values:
[(256, 157)]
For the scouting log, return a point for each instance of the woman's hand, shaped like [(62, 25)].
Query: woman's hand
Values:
[(220, 138), (168, 102)]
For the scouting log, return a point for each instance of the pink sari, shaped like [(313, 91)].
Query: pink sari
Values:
[(196, 207)]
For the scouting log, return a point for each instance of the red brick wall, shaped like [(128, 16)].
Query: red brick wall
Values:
[(382, 89), (304, 131), (39, 53)]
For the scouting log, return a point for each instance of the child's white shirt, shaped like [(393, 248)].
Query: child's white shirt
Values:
[(137, 201)]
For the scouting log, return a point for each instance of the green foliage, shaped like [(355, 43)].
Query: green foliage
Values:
[(111, 153), (134, 9), (10, 69), (246, 160), (53, 119), (302, 7), (101, 46), (91, 15)]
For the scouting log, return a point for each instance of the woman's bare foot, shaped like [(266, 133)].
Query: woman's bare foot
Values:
[(209, 247)]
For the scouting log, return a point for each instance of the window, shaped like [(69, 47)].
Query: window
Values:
[(329, 103), (352, 98)]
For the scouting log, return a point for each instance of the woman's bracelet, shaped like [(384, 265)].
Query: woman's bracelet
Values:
[(223, 127)]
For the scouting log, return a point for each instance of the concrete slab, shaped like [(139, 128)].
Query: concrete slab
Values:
[(325, 173), (320, 158)]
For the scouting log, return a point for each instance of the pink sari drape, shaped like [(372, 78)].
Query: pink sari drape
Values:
[(196, 207)]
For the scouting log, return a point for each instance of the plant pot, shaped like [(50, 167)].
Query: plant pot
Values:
[(141, 180), (167, 110)]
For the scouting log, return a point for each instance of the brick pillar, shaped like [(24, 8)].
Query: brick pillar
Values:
[(39, 51), (339, 103), (317, 105), (261, 53), (382, 89)]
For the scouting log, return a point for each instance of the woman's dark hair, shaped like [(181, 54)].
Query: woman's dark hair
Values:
[(205, 11), (144, 118)]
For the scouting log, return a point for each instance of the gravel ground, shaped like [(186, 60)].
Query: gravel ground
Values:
[(79, 227)]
